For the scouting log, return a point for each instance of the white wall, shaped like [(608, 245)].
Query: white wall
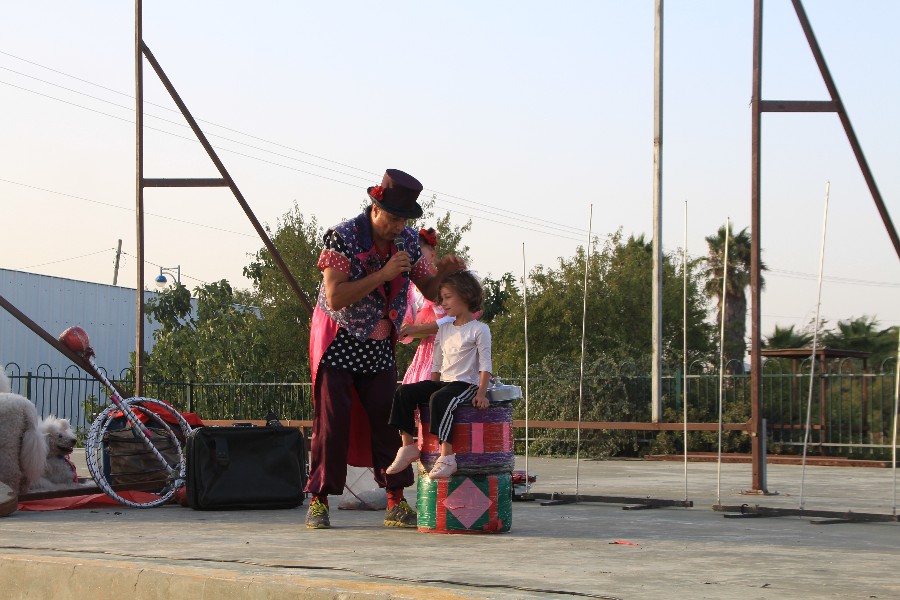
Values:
[(106, 312)]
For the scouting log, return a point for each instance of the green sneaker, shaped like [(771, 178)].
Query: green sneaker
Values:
[(317, 515), (400, 516)]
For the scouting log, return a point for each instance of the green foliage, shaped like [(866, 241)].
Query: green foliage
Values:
[(737, 274), (605, 396), (736, 409), (618, 316), (862, 334), (284, 326), (786, 337), (859, 334), (90, 408), (449, 236), (219, 343), (497, 295)]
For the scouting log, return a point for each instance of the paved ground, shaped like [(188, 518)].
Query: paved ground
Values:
[(558, 551)]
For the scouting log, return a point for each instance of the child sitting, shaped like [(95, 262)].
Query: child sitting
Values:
[(460, 372)]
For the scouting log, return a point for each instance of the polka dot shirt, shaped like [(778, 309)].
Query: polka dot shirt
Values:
[(346, 352)]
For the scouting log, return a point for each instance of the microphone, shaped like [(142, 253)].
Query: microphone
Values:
[(401, 247)]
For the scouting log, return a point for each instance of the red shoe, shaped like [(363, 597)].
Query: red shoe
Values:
[(406, 456)]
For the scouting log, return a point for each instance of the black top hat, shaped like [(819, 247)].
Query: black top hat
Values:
[(397, 194)]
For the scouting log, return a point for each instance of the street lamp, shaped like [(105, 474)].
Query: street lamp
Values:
[(161, 280)]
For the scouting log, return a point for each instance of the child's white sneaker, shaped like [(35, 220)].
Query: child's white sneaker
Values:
[(444, 467), (406, 456)]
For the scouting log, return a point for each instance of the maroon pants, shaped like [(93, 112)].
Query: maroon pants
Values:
[(331, 429)]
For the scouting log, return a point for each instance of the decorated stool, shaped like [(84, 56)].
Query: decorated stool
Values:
[(482, 439), (464, 503)]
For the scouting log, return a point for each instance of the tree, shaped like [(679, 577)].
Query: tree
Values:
[(618, 320), (863, 334), (738, 270), (786, 337), (216, 342), (284, 330), (497, 295), (450, 237), (618, 338)]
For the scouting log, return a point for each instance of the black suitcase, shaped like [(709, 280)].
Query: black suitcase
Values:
[(243, 467)]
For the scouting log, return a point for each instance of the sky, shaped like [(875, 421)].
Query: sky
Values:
[(534, 120)]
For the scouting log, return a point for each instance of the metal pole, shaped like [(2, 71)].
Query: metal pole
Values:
[(894, 433), (587, 264), (226, 177), (684, 367), (722, 358), (848, 127), (757, 433), (656, 359), (139, 190), (116, 267), (812, 366), (525, 303)]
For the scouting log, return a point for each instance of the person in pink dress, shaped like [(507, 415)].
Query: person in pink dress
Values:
[(422, 317)]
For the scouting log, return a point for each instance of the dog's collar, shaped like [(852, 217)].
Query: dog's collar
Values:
[(68, 460)]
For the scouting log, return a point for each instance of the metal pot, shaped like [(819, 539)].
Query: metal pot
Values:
[(500, 392)]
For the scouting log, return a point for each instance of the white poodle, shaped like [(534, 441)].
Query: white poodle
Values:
[(59, 472), (23, 447)]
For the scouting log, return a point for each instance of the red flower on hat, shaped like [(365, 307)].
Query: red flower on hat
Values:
[(377, 192)]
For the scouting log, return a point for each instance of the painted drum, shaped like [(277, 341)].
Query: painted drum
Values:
[(464, 503), (482, 439)]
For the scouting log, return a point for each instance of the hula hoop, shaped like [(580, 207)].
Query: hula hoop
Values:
[(94, 448)]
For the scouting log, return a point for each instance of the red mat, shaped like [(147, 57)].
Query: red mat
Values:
[(86, 501)]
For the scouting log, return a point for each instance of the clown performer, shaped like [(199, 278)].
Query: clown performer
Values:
[(367, 265)]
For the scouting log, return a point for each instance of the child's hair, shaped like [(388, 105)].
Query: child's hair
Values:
[(467, 286)]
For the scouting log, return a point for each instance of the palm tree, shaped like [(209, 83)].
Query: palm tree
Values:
[(863, 334), (735, 299), (786, 337)]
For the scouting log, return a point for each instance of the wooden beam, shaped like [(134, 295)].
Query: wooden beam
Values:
[(186, 182), (632, 426), (797, 106)]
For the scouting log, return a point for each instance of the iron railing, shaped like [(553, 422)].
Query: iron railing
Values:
[(850, 410)]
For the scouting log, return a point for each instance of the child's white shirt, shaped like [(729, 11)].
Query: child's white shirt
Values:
[(462, 352)]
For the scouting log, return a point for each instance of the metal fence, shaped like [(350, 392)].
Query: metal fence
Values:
[(77, 396), (851, 411)]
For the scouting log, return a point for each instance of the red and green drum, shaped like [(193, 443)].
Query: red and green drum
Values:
[(465, 503), (482, 439)]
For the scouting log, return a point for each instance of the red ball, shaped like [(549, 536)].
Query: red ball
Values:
[(76, 340)]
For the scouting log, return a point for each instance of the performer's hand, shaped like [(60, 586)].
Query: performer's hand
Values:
[(399, 263), (480, 401), (449, 264), (408, 330)]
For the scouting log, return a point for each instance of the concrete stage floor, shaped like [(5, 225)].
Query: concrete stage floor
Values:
[(562, 551)]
